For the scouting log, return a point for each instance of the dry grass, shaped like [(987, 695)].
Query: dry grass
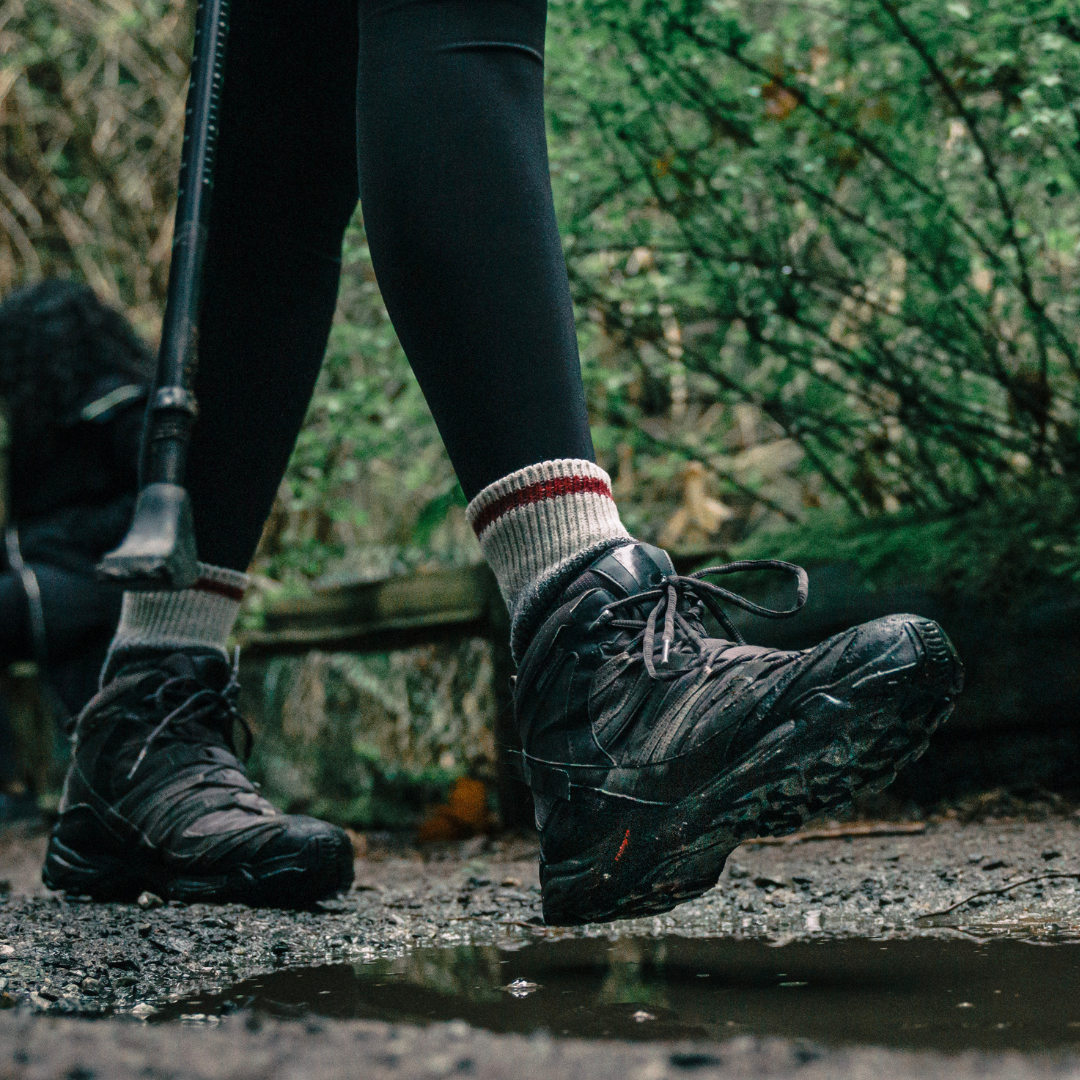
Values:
[(92, 97)]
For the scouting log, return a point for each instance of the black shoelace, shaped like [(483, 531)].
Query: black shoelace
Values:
[(692, 593), (211, 708)]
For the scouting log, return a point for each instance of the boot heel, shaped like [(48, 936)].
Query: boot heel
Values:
[(67, 871)]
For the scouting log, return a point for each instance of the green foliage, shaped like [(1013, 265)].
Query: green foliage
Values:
[(986, 550), (369, 741), (827, 249), (860, 219)]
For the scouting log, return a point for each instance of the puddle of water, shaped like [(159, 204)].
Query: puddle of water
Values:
[(947, 995)]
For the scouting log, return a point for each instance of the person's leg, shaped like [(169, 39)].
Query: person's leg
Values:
[(284, 192), (156, 798), (651, 749), (457, 202), (458, 209), (285, 189)]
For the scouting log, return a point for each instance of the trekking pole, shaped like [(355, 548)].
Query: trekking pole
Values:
[(159, 549)]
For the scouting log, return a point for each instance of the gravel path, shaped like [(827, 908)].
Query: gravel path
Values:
[(59, 957)]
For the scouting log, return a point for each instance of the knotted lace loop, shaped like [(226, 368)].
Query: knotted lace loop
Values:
[(674, 588), (212, 708)]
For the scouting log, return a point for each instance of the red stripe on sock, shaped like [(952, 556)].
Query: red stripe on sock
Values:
[(534, 493), (230, 592)]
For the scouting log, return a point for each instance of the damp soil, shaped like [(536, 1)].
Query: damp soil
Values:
[(931, 994), (59, 956), (406, 976)]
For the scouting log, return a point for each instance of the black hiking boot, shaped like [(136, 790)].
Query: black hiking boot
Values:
[(653, 751), (156, 800)]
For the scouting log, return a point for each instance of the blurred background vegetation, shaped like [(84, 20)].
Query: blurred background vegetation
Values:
[(825, 259)]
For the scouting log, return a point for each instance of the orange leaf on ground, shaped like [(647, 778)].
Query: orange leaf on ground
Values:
[(465, 814)]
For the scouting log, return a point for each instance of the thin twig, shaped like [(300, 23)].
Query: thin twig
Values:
[(865, 828), (1054, 875)]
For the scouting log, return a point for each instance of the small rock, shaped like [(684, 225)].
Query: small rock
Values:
[(737, 872), (641, 1016), (124, 980), (763, 881), (7, 950), (144, 929), (148, 900), (91, 985), (143, 1010), (48, 993), (510, 883), (1048, 855)]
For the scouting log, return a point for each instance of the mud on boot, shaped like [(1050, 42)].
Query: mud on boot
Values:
[(156, 800), (654, 750)]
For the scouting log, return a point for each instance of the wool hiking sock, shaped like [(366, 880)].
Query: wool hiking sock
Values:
[(539, 527), (200, 618)]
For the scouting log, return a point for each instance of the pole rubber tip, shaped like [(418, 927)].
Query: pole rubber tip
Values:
[(158, 554)]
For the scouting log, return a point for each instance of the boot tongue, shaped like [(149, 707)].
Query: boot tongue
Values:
[(630, 569), (180, 665), (209, 668), (633, 569)]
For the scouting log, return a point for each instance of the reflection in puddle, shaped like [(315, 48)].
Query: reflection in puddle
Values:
[(1028, 927), (929, 993)]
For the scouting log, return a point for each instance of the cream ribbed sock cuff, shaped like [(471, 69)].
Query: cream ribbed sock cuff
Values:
[(201, 617), (538, 527)]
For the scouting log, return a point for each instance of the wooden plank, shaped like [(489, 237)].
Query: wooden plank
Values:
[(382, 616), (454, 595)]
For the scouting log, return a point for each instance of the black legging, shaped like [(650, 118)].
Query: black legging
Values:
[(441, 102)]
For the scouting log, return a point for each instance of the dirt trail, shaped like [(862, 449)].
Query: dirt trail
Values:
[(60, 957)]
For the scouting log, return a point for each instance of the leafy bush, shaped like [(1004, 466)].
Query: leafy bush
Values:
[(858, 220)]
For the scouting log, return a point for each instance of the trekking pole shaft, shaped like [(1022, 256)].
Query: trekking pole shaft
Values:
[(172, 407), (159, 549)]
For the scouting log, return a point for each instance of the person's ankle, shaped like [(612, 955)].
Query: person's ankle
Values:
[(198, 621), (124, 662), (538, 528)]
